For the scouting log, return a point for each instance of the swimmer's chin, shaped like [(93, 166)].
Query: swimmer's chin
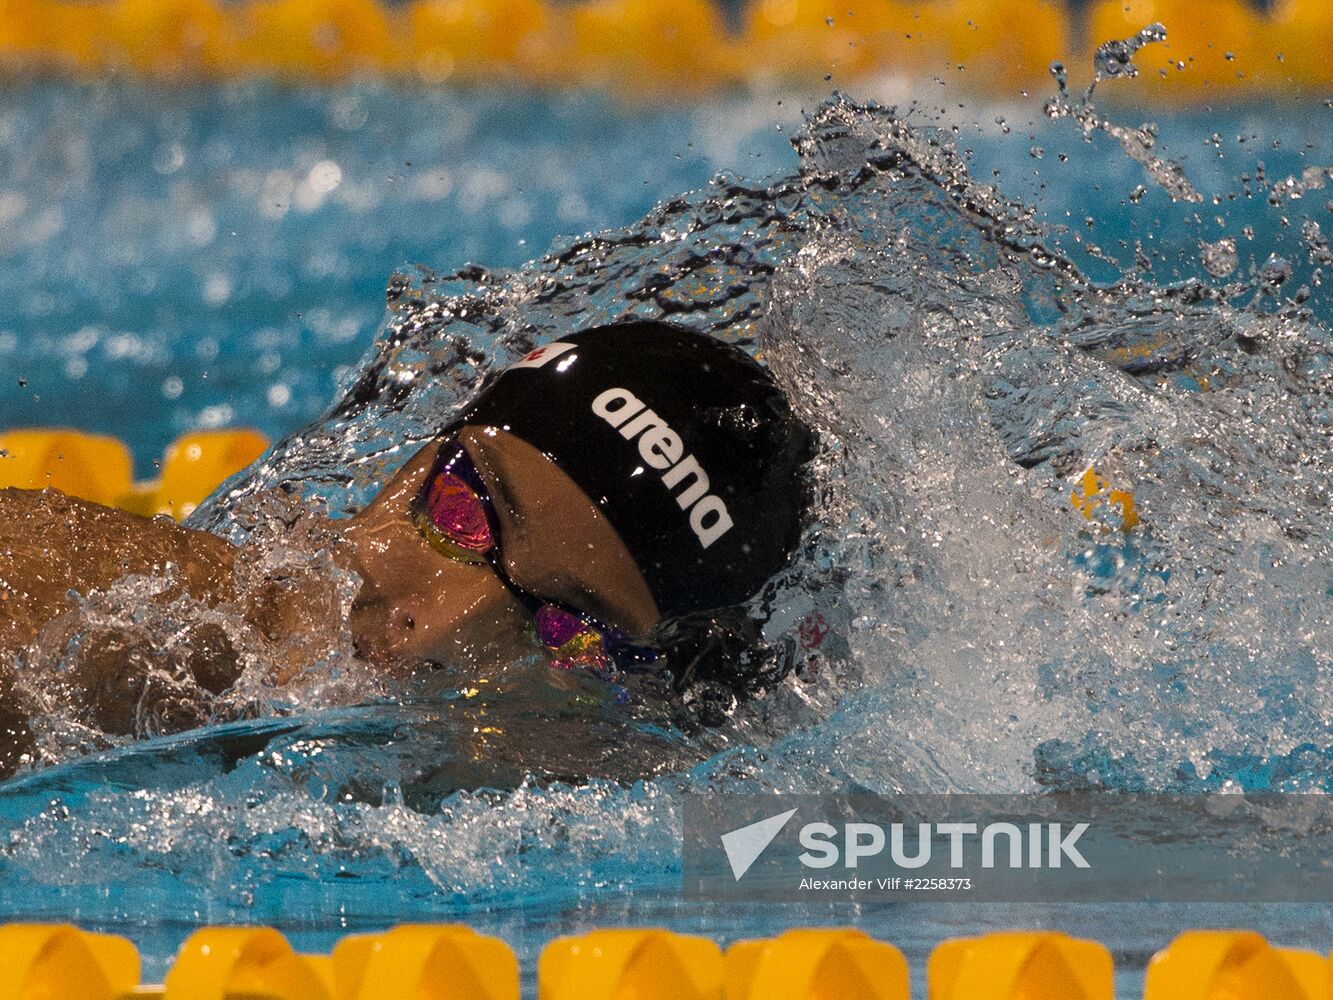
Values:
[(400, 657)]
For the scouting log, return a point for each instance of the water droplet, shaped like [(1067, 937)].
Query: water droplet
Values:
[(1061, 76), (1219, 258), (1275, 272)]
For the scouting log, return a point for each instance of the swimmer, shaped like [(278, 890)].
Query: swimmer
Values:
[(596, 504)]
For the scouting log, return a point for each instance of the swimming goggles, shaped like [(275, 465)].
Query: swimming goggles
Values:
[(455, 514)]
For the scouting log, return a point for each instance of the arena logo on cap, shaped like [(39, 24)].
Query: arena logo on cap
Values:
[(662, 448), (540, 356)]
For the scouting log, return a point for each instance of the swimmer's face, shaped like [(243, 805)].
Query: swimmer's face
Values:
[(419, 604)]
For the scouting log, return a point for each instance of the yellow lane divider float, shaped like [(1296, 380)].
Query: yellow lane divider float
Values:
[(1095, 498), (57, 960), (99, 468), (611, 964), (804, 964), (219, 963), (651, 48), (450, 962), (1033, 964), (1211, 965)]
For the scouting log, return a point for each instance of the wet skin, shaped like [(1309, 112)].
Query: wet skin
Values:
[(418, 604), (414, 604)]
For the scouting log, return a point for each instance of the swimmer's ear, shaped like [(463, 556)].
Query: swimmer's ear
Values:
[(716, 659)]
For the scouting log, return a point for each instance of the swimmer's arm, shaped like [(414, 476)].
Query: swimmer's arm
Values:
[(51, 544), (15, 737)]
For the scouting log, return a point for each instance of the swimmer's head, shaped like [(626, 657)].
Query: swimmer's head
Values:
[(684, 443), (629, 474)]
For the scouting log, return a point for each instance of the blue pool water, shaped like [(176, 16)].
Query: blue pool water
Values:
[(207, 256), (220, 256), (212, 256)]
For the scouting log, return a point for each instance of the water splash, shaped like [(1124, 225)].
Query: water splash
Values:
[(145, 658), (1113, 60), (982, 632), (1294, 188)]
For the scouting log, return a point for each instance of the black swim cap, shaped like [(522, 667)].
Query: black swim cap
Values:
[(685, 443)]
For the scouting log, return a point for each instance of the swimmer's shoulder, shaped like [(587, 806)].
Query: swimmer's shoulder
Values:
[(47, 514), (51, 543), (33, 547), (25, 510)]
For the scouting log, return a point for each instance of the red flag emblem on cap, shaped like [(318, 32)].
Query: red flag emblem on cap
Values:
[(541, 355)]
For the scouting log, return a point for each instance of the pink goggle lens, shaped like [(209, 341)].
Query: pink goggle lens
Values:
[(556, 626), (458, 513)]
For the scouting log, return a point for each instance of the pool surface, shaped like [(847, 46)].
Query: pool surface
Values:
[(972, 304)]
